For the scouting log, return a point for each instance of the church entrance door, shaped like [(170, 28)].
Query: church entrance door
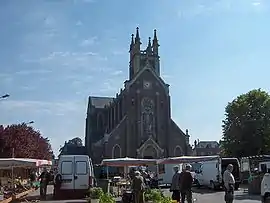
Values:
[(148, 157), (150, 151)]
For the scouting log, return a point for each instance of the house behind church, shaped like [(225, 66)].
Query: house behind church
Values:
[(136, 122), (203, 148)]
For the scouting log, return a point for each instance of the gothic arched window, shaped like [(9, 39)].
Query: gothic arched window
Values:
[(178, 151), (116, 151)]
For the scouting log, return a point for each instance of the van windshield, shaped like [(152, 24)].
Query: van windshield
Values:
[(195, 167), (226, 161)]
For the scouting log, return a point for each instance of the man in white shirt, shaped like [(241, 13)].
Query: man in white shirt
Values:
[(229, 182)]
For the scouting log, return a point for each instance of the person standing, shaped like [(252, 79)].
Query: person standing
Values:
[(57, 186), (229, 183), (32, 178), (44, 181), (138, 187), (175, 186), (186, 181)]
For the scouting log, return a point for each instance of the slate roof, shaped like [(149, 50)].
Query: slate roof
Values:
[(98, 102), (211, 144)]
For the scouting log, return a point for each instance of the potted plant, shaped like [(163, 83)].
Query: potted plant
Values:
[(167, 200), (1, 195), (95, 194), (153, 196), (156, 196), (106, 198)]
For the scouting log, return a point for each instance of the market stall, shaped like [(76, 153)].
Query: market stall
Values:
[(13, 187), (124, 183)]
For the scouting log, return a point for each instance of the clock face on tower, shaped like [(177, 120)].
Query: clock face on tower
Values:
[(146, 85)]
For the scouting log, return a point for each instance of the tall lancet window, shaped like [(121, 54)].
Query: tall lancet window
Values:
[(147, 117)]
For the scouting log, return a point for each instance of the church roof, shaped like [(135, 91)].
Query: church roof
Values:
[(98, 102), (207, 144)]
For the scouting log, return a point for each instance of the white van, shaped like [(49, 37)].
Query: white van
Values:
[(211, 172), (76, 172), (265, 188), (166, 173)]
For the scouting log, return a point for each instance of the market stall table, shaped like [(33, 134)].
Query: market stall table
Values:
[(11, 164), (125, 162)]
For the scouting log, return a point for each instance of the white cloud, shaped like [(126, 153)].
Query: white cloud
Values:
[(84, 1), (6, 78), (89, 1), (197, 8), (79, 23), (31, 71), (27, 88), (46, 107), (256, 3), (117, 72), (67, 60), (120, 52), (50, 21), (167, 76), (88, 42)]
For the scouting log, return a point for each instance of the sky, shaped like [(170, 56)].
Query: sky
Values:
[(55, 53)]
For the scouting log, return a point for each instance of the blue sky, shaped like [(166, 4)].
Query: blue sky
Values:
[(55, 53)]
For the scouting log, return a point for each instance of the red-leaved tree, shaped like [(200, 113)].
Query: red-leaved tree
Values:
[(24, 142)]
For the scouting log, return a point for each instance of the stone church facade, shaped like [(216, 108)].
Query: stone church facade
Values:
[(137, 121)]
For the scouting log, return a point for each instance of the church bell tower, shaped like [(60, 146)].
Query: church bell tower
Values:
[(139, 58)]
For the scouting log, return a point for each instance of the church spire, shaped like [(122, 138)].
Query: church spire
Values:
[(131, 43), (155, 43), (137, 38), (137, 44), (149, 47)]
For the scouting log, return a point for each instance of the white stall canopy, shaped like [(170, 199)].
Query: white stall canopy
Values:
[(119, 162), (8, 163), (186, 159)]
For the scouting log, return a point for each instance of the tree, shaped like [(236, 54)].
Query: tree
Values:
[(246, 127), (76, 141), (70, 145), (25, 142)]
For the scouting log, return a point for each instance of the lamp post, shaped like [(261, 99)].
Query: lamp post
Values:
[(4, 96), (28, 123)]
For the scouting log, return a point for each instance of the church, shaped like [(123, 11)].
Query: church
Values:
[(136, 122)]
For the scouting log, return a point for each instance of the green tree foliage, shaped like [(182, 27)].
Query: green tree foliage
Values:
[(71, 145), (246, 127), (76, 141)]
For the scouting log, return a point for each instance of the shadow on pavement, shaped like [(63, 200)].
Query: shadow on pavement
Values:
[(36, 198), (204, 190), (246, 197), (50, 199)]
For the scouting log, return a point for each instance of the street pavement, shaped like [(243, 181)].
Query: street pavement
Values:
[(34, 197), (207, 196), (199, 195)]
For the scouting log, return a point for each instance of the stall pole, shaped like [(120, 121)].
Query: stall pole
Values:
[(107, 171), (12, 169), (125, 171)]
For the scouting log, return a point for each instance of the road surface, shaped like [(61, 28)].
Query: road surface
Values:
[(207, 196), (200, 196), (34, 197)]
